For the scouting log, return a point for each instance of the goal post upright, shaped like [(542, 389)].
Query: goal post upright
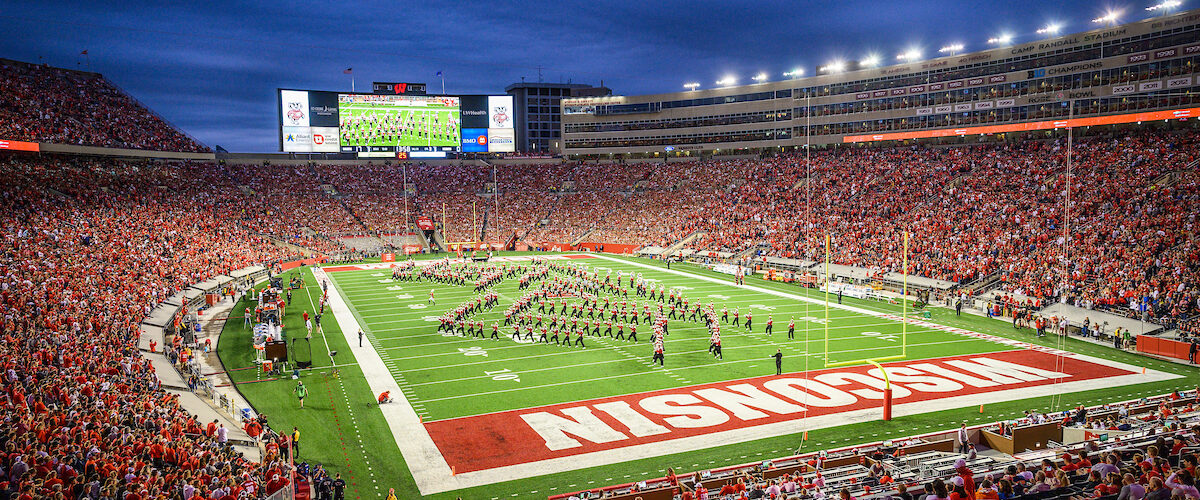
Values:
[(827, 285)]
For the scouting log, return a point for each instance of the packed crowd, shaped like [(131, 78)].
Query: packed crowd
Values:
[(39, 103), (1133, 206), (88, 248)]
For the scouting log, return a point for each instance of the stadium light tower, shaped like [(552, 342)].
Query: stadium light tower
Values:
[(795, 73), (1050, 29), (1002, 39), (727, 81), (910, 55), (870, 61), (761, 77), (691, 86), (834, 67), (951, 49), (1166, 6), (1109, 18)]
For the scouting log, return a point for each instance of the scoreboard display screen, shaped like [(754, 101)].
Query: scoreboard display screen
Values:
[(370, 122), (385, 125)]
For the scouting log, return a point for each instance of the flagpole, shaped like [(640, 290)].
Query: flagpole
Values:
[(443, 77), (352, 83)]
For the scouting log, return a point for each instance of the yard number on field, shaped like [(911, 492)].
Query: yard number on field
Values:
[(504, 374), (888, 337), (473, 351)]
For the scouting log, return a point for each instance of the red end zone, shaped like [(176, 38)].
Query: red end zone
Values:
[(513, 437)]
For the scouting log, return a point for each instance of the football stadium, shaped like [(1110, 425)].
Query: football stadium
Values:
[(968, 275)]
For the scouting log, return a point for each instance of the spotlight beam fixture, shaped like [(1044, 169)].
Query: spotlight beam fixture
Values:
[(1003, 39), (1108, 18), (794, 73), (1050, 29), (727, 81), (952, 48), (1167, 5), (691, 86), (834, 67), (761, 77), (911, 55)]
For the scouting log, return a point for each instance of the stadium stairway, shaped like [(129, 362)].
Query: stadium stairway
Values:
[(205, 413), (681, 243), (168, 376), (439, 240), (579, 239)]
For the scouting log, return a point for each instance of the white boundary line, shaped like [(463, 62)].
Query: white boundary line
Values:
[(433, 475)]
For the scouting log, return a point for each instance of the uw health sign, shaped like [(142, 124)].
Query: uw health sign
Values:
[(675, 420)]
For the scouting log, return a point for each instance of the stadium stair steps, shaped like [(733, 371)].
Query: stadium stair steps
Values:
[(983, 284), (599, 223), (166, 372), (579, 239), (439, 240), (675, 247), (363, 225), (750, 251), (205, 413)]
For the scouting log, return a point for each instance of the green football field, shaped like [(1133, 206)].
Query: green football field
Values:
[(421, 125), (446, 376), (449, 376)]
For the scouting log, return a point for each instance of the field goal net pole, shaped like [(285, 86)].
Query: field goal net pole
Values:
[(904, 306), (903, 323)]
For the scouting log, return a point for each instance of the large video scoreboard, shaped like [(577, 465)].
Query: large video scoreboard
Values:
[(385, 125)]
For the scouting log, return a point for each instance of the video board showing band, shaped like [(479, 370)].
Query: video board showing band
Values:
[(375, 124)]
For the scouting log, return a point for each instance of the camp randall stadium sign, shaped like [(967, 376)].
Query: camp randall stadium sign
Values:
[(534, 441)]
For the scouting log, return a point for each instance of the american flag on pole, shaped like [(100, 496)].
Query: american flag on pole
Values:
[(348, 71), (84, 53), (439, 73)]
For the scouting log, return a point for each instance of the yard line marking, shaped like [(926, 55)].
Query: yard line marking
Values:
[(501, 391), (560, 353)]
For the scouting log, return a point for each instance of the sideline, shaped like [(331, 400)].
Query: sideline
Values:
[(424, 461)]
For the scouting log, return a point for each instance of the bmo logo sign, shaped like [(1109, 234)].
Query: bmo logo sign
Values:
[(475, 140)]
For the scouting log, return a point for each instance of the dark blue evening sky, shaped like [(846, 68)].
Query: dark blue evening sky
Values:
[(212, 68)]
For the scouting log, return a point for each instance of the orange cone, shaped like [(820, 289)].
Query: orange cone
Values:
[(805, 436), (980, 408)]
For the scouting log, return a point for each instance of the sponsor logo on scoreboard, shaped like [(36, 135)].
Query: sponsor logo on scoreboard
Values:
[(325, 140), (475, 140), (502, 140), (297, 139)]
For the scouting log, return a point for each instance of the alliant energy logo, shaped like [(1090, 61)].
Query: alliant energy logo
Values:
[(744, 410)]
